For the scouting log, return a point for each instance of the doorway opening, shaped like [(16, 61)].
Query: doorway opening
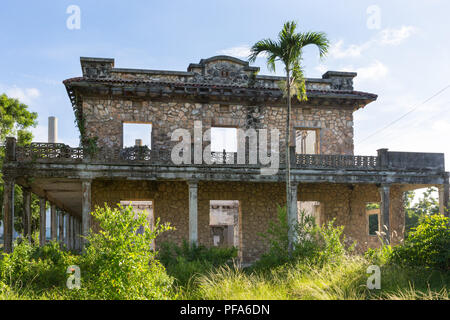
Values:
[(373, 218), (224, 222), (147, 208), (310, 209)]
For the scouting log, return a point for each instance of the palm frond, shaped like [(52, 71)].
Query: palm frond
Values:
[(318, 39), (298, 81), (288, 48), (269, 47)]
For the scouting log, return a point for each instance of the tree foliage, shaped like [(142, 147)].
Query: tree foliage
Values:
[(16, 120), (288, 49), (427, 245), (426, 205)]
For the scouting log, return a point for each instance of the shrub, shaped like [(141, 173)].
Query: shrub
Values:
[(427, 245), (278, 239), (31, 266), (331, 246), (314, 244), (119, 263), (185, 261)]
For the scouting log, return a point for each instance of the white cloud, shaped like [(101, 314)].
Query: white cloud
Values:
[(374, 71), (338, 52), (25, 95), (242, 51), (390, 36), (386, 37)]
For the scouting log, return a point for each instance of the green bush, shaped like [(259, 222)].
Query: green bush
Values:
[(314, 244), (119, 263), (331, 246), (185, 261), (427, 245), (31, 266)]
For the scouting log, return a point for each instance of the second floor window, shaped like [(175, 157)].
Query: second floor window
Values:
[(223, 139), (306, 141), (137, 134)]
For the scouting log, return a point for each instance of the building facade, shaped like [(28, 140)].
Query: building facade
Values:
[(219, 92)]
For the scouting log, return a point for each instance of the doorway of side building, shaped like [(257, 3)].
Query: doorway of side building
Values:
[(310, 209), (373, 218), (224, 222), (142, 206)]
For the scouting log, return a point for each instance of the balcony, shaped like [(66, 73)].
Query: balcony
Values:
[(60, 153)]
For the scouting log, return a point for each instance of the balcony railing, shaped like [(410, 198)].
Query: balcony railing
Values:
[(317, 161), (61, 153)]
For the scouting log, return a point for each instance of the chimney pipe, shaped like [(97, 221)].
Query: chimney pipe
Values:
[(52, 129)]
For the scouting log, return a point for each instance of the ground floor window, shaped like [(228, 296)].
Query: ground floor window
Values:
[(142, 206), (310, 208), (224, 223), (373, 218)]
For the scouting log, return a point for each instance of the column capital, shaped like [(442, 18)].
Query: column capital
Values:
[(294, 184), (192, 183), (384, 187)]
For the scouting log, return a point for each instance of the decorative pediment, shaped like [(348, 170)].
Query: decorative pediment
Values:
[(222, 70)]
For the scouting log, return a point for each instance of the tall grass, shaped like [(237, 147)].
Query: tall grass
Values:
[(305, 281)]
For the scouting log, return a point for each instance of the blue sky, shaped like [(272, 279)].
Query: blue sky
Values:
[(405, 59)]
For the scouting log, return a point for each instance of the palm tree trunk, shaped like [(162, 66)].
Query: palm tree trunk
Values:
[(288, 161)]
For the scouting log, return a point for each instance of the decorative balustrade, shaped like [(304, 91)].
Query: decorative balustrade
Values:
[(50, 152), (316, 161), (58, 152)]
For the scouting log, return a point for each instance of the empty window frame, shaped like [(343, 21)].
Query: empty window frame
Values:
[(223, 138), (307, 141), (137, 134), (142, 206), (224, 223), (311, 209), (373, 218)]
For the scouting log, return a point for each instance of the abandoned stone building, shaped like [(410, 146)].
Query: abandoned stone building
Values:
[(225, 202)]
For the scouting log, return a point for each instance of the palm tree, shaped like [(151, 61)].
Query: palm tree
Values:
[(288, 49)]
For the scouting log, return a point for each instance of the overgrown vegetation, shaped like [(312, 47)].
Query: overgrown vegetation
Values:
[(426, 205), (119, 263), (319, 244), (186, 262)]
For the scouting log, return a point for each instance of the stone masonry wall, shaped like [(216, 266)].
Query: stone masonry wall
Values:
[(258, 205), (104, 119)]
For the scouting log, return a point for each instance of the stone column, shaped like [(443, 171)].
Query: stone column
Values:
[(193, 212), (86, 209), (42, 221), (61, 227), (70, 232), (26, 213), (8, 214), (444, 200), (384, 211), (67, 228), (292, 215), (77, 234), (53, 223)]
